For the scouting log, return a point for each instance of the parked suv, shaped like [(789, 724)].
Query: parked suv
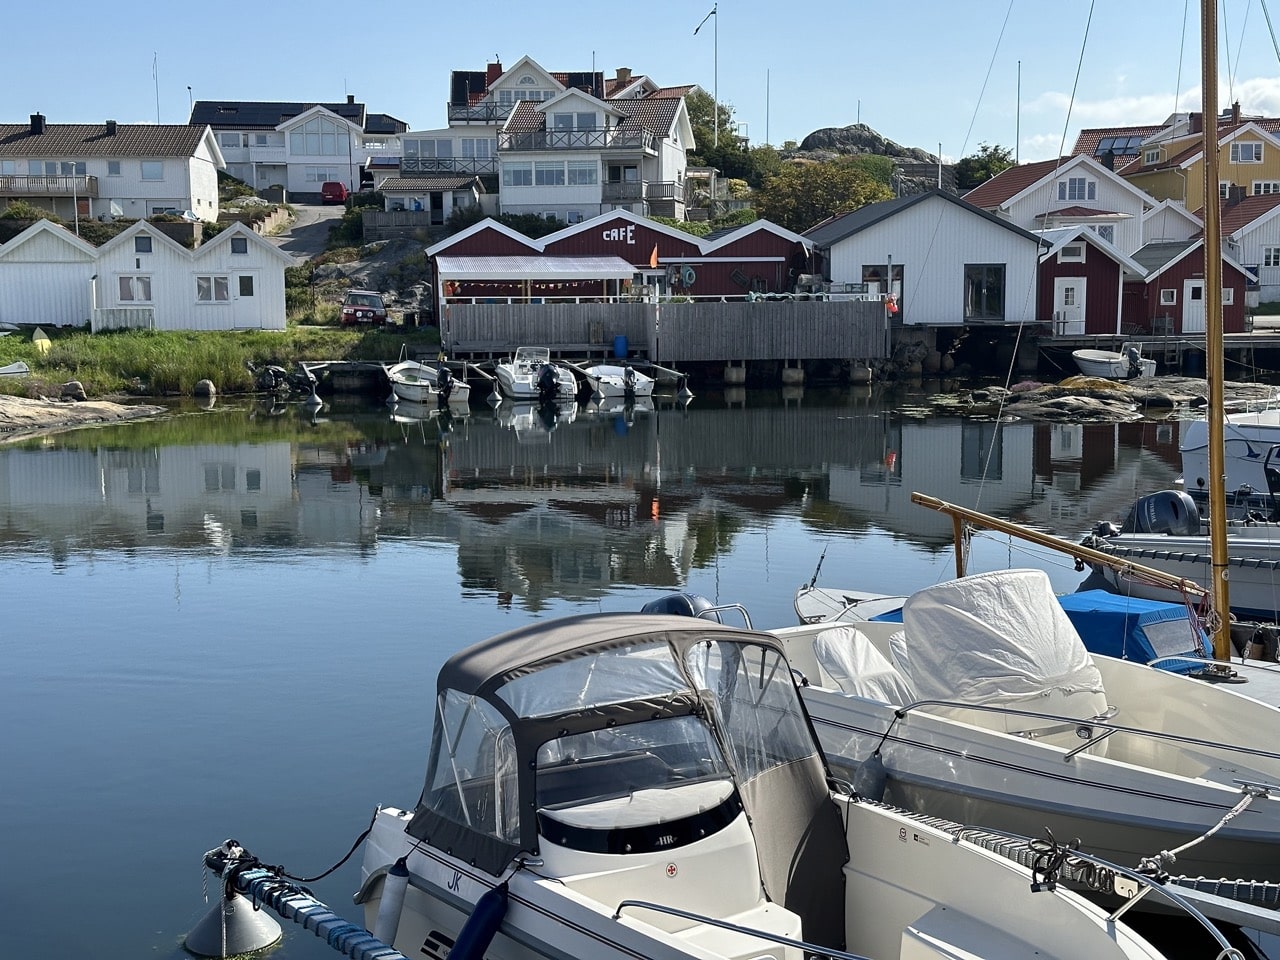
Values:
[(333, 191), (363, 306)]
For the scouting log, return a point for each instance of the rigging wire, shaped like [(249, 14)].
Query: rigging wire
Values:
[(1182, 52), (1076, 83), (990, 66), (1244, 26), (1226, 49), (1271, 29)]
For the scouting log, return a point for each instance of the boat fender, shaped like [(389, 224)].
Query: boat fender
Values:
[(870, 777), (392, 904), (1169, 511), (478, 932)]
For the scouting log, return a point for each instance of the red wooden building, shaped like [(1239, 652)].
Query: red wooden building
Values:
[(1080, 280), (1170, 298)]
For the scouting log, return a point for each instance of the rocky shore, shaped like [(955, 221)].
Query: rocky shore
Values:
[(21, 417)]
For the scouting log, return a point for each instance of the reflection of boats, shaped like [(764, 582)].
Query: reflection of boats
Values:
[(531, 375), (634, 786), (1165, 531), (993, 690), (420, 383), (535, 421), (1127, 364), (617, 406), (405, 412), (612, 381), (18, 368)]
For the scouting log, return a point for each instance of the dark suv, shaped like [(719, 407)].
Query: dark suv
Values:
[(363, 306)]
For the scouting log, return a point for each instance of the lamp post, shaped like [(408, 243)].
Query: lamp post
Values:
[(191, 103)]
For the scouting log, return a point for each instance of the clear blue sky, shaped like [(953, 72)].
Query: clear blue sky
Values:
[(917, 77)]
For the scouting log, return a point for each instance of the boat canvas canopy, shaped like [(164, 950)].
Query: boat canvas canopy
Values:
[(1130, 628), (533, 267)]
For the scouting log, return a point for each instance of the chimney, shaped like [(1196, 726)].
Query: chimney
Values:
[(111, 128), (491, 73), (37, 123), (1235, 112), (1109, 159), (1235, 193), (1196, 121), (351, 98), (624, 75)]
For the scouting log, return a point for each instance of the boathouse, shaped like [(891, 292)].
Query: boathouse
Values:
[(1170, 298), (1081, 280)]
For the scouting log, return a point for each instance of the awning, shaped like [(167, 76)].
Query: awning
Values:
[(533, 268)]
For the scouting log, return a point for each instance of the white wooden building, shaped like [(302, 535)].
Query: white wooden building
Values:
[(142, 278), (950, 263)]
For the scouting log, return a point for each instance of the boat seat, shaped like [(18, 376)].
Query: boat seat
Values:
[(856, 667)]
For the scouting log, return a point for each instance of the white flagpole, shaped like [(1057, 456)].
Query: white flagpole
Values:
[(715, 89), (155, 75)]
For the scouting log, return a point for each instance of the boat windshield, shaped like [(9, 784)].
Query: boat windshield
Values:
[(642, 671), (533, 356)]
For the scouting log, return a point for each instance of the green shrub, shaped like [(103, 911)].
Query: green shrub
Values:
[(23, 210), (348, 231)]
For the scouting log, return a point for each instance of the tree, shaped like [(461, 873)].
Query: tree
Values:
[(703, 112), (980, 167), (804, 194)]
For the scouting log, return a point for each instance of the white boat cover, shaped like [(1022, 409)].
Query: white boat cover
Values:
[(994, 638), (857, 667)]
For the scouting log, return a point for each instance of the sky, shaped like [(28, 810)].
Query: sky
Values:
[(944, 73)]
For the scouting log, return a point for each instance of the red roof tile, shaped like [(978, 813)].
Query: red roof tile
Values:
[(1011, 182), (1234, 216)]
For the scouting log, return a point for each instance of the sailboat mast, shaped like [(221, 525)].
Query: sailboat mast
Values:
[(1213, 330)]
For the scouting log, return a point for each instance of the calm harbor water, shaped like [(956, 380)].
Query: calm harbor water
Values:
[(228, 623)]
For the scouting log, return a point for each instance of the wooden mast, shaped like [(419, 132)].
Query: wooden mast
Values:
[(1213, 330)]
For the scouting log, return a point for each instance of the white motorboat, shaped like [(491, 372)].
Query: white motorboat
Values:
[(984, 706), (1165, 531), (609, 381), (423, 383), (532, 375), (1127, 364), (534, 422), (1251, 439)]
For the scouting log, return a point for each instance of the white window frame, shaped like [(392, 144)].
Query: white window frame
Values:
[(151, 170), (133, 288), (113, 168), (1107, 231), (1271, 256), (1151, 156), (1168, 297), (1228, 296), (240, 245), (213, 288), (1224, 189), (8, 168), (517, 174), (1252, 155), (1261, 188), (1076, 189), (548, 173), (143, 243), (1072, 253), (583, 173)]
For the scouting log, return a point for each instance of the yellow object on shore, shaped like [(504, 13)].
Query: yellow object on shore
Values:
[(40, 340)]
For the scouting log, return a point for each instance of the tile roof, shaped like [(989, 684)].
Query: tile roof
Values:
[(1088, 140), (683, 90), (655, 114), (75, 141), (1235, 216), (525, 118), (392, 184), (1011, 182), (835, 229), (250, 114)]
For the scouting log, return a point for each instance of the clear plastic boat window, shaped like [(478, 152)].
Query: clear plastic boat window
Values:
[(641, 672), (471, 777)]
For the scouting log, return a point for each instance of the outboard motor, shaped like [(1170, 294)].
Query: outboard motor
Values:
[(629, 381), (548, 384), (444, 383), (680, 605), (1135, 363), (1170, 512)]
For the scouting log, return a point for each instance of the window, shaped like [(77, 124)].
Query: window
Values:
[(142, 244), (1069, 296), (229, 139), (1246, 151), (1151, 156), (152, 169), (981, 451), (1077, 188), (239, 244), (623, 174), (321, 174), (1224, 189), (1271, 256), (212, 290), (586, 121), (260, 140), (548, 173), (430, 148), (135, 289), (1071, 253), (1228, 296), (480, 148), (573, 216), (1168, 297), (246, 285), (8, 167), (984, 291), (1106, 231), (562, 121), (517, 174), (583, 172), (72, 169), (42, 168), (318, 137), (1262, 187), (113, 168)]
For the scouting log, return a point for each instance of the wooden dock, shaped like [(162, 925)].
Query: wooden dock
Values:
[(1183, 352)]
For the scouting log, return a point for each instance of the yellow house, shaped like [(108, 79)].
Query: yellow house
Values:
[(1173, 169)]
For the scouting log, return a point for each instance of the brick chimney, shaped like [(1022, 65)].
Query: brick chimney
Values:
[(37, 123), (351, 98), (1109, 159), (1235, 193), (624, 75), (492, 72), (111, 128), (1196, 123), (1235, 112)]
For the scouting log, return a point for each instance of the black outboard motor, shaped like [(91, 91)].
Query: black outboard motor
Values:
[(629, 382), (548, 384), (1169, 512), (1135, 363), (444, 384), (680, 605)]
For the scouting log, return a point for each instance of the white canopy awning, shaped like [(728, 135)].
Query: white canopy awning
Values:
[(533, 267)]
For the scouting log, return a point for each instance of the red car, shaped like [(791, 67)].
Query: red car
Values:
[(333, 191), (363, 306)]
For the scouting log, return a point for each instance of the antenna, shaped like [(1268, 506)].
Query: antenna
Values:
[(766, 108), (1017, 123), (155, 76)]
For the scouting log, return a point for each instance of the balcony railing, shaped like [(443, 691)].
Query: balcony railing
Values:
[(22, 185), (613, 139), (627, 191), (415, 166), (479, 112)]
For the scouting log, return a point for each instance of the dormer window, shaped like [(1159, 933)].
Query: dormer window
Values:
[(1077, 188), (1247, 151), (1151, 156)]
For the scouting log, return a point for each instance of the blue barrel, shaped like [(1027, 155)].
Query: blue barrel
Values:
[(620, 346)]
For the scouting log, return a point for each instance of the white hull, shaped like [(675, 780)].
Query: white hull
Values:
[(18, 368), (1111, 365), (909, 892), (518, 377), (417, 383), (610, 382), (1247, 437)]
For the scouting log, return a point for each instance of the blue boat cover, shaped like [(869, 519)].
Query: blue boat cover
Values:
[(1127, 628)]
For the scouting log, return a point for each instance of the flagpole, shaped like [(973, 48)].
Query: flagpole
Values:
[(155, 75), (715, 70)]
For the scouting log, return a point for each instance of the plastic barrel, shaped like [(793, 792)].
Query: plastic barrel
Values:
[(620, 346)]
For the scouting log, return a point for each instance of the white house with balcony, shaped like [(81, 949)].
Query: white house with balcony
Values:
[(107, 170), (1067, 192), (299, 146)]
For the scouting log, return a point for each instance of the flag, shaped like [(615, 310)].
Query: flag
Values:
[(653, 258), (705, 19)]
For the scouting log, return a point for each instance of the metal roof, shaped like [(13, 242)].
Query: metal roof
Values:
[(247, 114), (533, 268)]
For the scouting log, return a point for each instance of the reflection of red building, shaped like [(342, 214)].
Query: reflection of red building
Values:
[(586, 260)]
